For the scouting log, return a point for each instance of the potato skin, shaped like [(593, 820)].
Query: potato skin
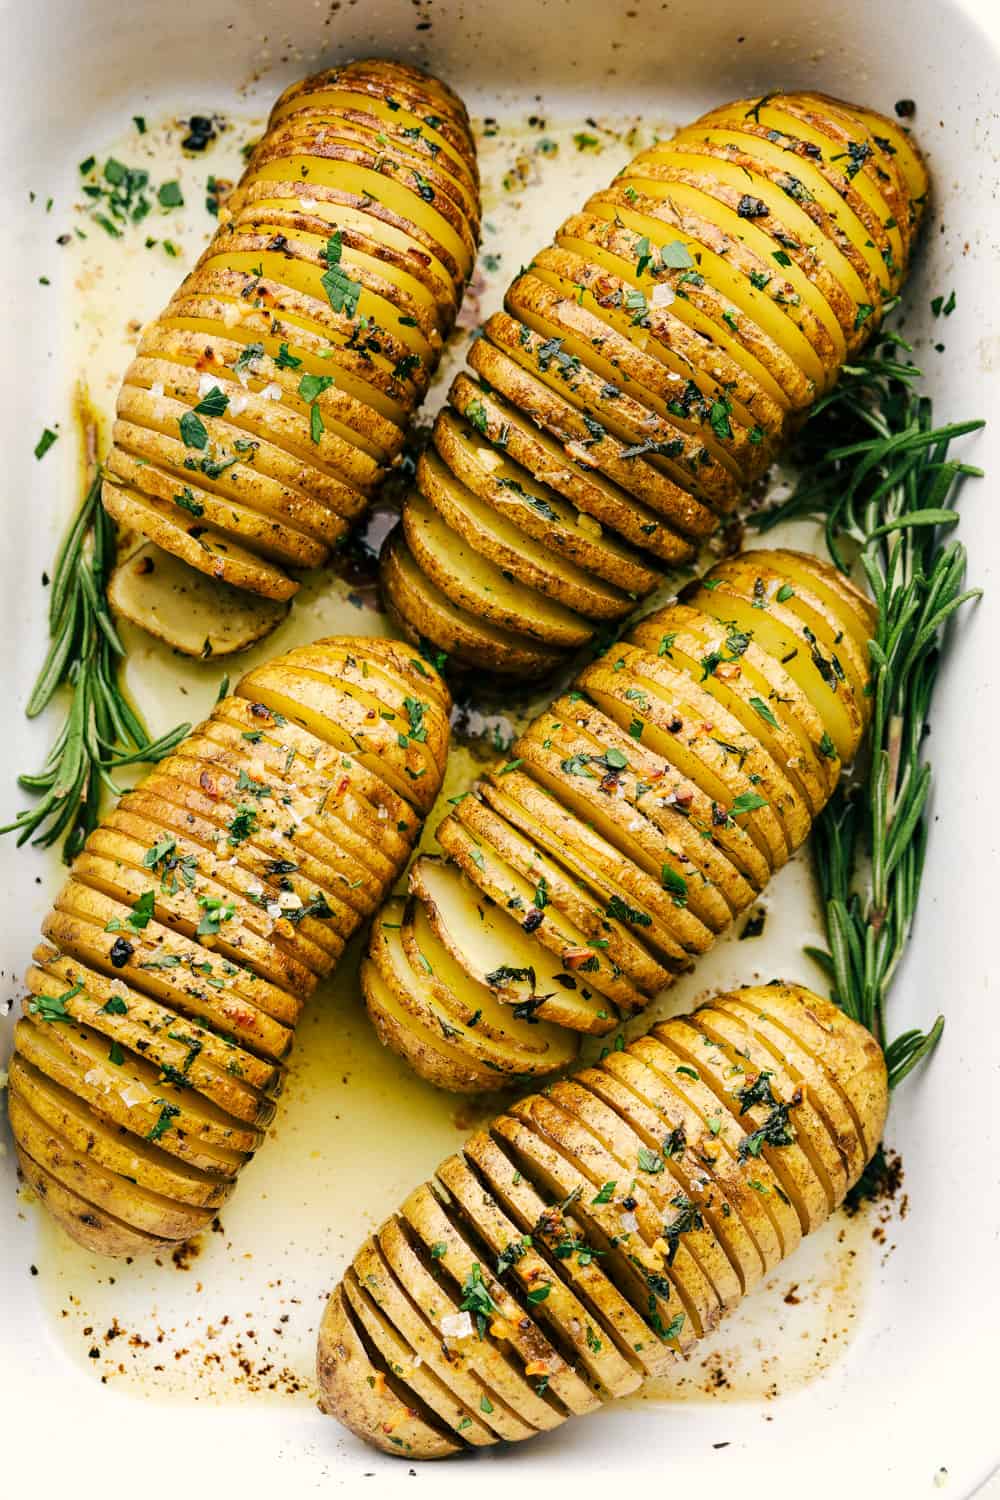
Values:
[(673, 1219), (192, 928), (261, 411), (667, 343)]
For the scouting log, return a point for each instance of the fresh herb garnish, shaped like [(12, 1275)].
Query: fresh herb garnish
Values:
[(877, 472), (102, 730)]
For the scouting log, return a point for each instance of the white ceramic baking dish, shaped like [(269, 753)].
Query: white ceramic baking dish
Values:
[(884, 1359)]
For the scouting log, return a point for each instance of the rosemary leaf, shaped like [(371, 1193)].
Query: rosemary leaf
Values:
[(101, 730), (877, 473)]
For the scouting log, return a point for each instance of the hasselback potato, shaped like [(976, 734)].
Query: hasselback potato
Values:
[(646, 367), (633, 821), (579, 1242), (196, 922), (267, 400)]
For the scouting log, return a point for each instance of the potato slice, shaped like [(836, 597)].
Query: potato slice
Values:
[(427, 1053), (787, 1049), (500, 883), (854, 611), (714, 659), (315, 485), (780, 633), (518, 1260), (550, 1226), (258, 366), (94, 1228), (400, 1360), (180, 809), (591, 1154), (841, 197), (681, 814), (795, 1173), (552, 886), (365, 1395), (535, 509), (243, 505), (113, 864), (255, 720), (501, 362), (636, 1268), (829, 312), (484, 1364), (323, 802), (220, 1071), (586, 783), (205, 550), (446, 1362), (78, 926), (670, 388), (136, 1086), (827, 629), (811, 1127), (347, 720), (482, 586), (492, 949), (857, 1071), (130, 1097), (697, 1239), (586, 854), (576, 479), (707, 298), (674, 728), (753, 687), (609, 248), (467, 1017), (730, 264), (127, 1201), (112, 1147), (688, 1161), (773, 1224), (449, 1217), (566, 358), (190, 612), (419, 609)]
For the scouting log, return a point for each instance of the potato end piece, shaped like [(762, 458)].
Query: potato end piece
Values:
[(195, 614), (356, 1390)]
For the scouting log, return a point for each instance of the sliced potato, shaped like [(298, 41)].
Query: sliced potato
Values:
[(476, 583), (422, 612), (667, 342), (270, 396), (600, 1225), (194, 924), (494, 950)]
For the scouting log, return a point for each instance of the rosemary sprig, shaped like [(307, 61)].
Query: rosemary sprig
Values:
[(877, 472), (102, 731)]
